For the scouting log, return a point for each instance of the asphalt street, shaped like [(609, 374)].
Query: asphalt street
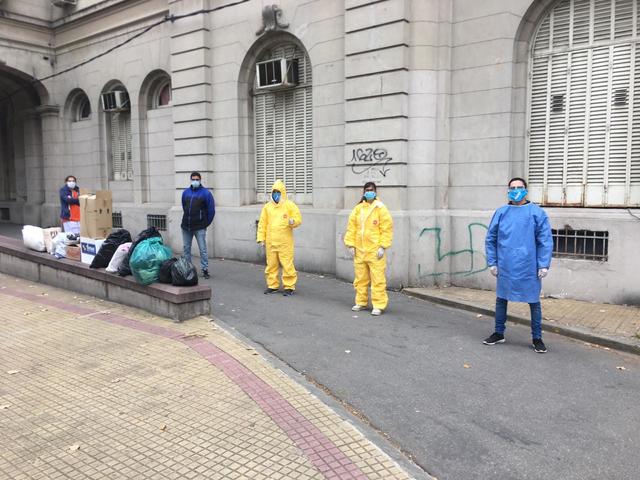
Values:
[(421, 375)]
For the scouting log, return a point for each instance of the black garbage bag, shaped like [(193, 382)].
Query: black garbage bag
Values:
[(183, 273), (109, 247), (165, 270), (124, 269)]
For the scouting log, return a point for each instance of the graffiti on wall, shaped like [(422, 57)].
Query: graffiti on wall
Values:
[(366, 160), (470, 254)]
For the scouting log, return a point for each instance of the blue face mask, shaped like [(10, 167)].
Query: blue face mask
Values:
[(195, 183), (369, 196), (517, 194), (276, 196)]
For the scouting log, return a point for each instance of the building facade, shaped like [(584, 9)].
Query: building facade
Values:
[(439, 102)]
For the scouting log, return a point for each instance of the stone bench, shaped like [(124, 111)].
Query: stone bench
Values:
[(176, 303)]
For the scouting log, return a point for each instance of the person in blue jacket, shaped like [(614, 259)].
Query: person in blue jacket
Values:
[(518, 246), (199, 209)]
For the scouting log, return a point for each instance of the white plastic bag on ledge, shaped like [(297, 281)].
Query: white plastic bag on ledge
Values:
[(118, 257), (33, 238)]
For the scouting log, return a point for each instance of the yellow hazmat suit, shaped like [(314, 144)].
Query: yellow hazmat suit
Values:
[(370, 227), (275, 229)]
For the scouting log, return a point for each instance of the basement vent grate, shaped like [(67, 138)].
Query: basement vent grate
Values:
[(158, 221), (117, 219), (581, 244)]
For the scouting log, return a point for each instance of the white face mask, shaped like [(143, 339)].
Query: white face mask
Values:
[(71, 185)]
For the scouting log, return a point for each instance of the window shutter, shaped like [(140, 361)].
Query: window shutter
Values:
[(117, 157), (283, 132), (584, 120)]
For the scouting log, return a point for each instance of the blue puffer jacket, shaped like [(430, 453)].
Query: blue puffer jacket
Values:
[(65, 201), (199, 208)]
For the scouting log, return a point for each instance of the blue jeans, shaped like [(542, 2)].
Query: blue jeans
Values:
[(536, 317), (201, 238)]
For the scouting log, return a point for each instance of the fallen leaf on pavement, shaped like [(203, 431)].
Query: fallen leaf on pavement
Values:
[(466, 365), (602, 311), (4, 407), (621, 368), (13, 372), (347, 351), (74, 448), (163, 427), (478, 315)]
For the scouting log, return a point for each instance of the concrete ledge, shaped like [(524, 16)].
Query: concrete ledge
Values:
[(176, 303), (578, 333)]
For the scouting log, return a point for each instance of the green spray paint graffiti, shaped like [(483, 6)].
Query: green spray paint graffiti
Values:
[(471, 252)]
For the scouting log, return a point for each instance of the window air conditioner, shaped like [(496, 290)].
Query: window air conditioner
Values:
[(115, 101), (277, 73), (64, 3)]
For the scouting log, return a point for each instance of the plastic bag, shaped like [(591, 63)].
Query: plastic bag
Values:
[(33, 238), (150, 232), (121, 252), (108, 248), (59, 246), (165, 270), (183, 273), (146, 259)]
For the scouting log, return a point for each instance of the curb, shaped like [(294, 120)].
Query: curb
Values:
[(616, 343)]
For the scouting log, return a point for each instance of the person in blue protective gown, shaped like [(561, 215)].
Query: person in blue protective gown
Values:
[(518, 246)]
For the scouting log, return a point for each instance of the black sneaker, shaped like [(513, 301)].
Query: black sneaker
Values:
[(288, 292), (205, 274), (494, 338), (539, 346), (270, 290)]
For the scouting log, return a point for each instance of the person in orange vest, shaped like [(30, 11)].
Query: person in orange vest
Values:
[(70, 205)]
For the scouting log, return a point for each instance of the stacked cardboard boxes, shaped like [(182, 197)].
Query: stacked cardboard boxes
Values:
[(96, 222)]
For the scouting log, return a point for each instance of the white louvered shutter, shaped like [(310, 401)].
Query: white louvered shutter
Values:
[(121, 154), (283, 132), (584, 125)]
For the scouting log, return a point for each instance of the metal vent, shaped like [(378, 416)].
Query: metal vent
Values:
[(158, 221), (117, 219), (621, 96), (581, 244), (557, 103)]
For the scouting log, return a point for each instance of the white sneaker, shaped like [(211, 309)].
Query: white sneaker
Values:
[(357, 308), (376, 312)]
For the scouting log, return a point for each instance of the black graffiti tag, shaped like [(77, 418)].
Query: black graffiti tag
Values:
[(370, 159)]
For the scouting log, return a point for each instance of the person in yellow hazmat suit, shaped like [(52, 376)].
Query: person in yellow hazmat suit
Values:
[(275, 231), (369, 235)]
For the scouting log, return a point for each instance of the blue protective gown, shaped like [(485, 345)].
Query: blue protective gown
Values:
[(519, 242)]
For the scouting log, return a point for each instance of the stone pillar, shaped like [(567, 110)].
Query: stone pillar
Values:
[(52, 161), (191, 83), (33, 167), (377, 65)]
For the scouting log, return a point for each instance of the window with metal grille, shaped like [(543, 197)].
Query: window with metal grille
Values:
[(5, 216), (158, 221), (116, 219), (581, 244), (584, 105), (283, 130)]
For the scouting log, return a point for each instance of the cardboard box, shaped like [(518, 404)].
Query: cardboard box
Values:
[(49, 235), (73, 252), (88, 248), (96, 220)]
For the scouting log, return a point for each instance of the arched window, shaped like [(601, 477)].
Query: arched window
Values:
[(282, 110), (78, 106), (584, 105)]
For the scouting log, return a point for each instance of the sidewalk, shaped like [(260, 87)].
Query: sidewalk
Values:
[(611, 326), (91, 389)]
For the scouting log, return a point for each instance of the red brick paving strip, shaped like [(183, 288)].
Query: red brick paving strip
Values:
[(321, 451)]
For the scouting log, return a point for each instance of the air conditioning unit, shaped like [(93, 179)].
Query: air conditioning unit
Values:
[(64, 3), (277, 73), (115, 101)]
